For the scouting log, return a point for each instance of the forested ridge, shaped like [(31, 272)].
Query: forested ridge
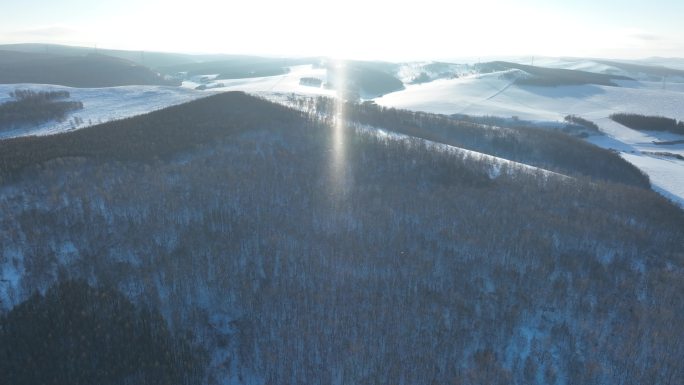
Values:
[(552, 77), (79, 70), (539, 147), (158, 134), (297, 248)]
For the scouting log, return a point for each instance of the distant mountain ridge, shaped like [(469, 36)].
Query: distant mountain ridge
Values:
[(544, 76), (89, 70)]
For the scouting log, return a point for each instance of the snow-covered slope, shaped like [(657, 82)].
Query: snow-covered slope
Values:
[(101, 104), (286, 83), (638, 70), (497, 94), (110, 103)]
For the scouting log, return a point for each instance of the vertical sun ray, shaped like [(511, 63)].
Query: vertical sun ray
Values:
[(338, 163)]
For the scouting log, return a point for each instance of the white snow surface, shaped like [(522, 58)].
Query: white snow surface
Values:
[(599, 66), (286, 83), (100, 104), (497, 94), (666, 174)]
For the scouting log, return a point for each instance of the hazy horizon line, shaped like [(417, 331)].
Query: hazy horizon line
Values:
[(465, 58)]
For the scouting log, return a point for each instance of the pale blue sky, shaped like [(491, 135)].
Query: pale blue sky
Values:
[(357, 28)]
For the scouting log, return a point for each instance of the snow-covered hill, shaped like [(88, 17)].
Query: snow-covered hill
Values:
[(472, 93), (642, 70), (497, 94), (100, 104)]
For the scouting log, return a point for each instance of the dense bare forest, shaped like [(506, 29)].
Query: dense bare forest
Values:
[(76, 334), (308, 246), (548, 149), (85, 69), (35, 107), (649, 123)]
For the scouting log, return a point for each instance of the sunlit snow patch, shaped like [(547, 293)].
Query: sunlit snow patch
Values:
[(100, 105)]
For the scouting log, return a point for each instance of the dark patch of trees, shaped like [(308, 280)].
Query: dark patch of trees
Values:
[(79, 335), (666, 154), (435, 70), (421, 78), (20, 94), (570, 128), (35, 107), (668, 142), (649, 123), (147, 58), (363, 79), (311, 82), (578, 120)]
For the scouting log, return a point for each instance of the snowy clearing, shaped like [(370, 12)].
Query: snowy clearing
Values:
[(100, 104), (286, 83)]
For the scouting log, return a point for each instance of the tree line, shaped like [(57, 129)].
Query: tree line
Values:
[(35, 107), (649, 123), (540, 147)]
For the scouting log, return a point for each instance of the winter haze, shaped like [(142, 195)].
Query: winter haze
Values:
[(379, 30)]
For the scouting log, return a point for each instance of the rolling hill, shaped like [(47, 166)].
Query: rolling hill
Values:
[(99, 105), (150, 59), (551, 77), (367, 245), (91, 70), (501, 93)]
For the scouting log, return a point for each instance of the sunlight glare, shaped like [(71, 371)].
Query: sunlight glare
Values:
[(338, 163)]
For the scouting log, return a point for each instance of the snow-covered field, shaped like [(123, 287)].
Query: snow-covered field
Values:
[(111, 103), (101, 104), (286, 83), (496, 94)]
